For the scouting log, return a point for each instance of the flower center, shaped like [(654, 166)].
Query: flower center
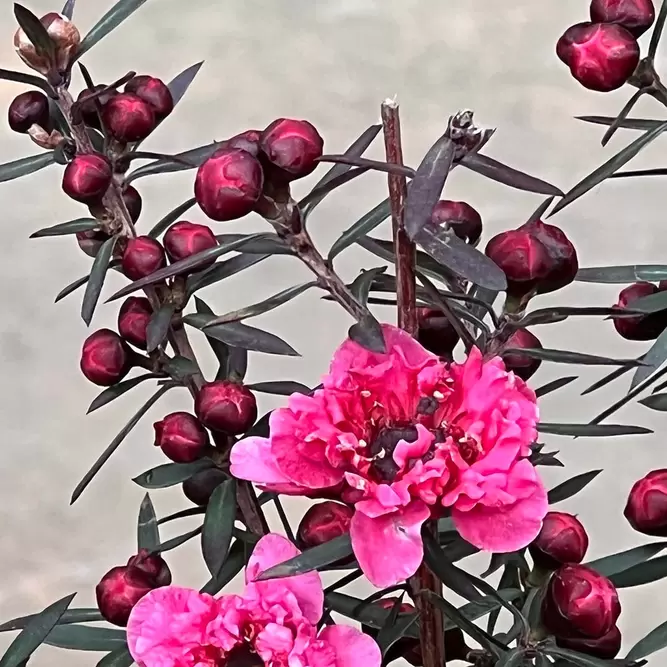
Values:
[(241, 656), (382, 449)]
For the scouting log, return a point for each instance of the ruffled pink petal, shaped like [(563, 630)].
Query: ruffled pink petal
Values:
[(273, 549), (253, 460), (353, 648), (389, 547)]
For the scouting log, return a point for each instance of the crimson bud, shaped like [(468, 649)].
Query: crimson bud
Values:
[(87, 178), (323, 522), (601, 56), (154, 92), (641, 327), (91, 241), (133, 318), (293, 146), (128, 118), (153, 565), (28, 109), (229, 184), (119, 590), (88, 107), (184, 239), (460, 217), (105, 358), (226, 406), (646, 509), (522, 365), (199, 488), (636, 16), (435, 332), (181, 437), (580, 602), (247, 141), (562, 540), (605, 647), (133, 202), (143, 256)]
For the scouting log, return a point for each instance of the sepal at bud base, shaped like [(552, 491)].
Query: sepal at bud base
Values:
[(153, 565)]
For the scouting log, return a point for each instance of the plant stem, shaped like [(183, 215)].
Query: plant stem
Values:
[(431, 636)]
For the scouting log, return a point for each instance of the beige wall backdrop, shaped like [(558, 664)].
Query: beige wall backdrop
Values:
[(332, 62)]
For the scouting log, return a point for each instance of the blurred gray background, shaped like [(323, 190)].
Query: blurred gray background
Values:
[(332, 62)]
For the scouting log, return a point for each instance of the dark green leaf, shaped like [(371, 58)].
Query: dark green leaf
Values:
[(180, 368), (222, 270), (115, 443), (460, 257), (218, 525), (367, 332), (509, 580), (591, 430), (86, 638), (321, 191), (554, 385), (361, 286), (654, 641), (628, 123), (68, 9), (631, 173), (72, 287), (119, 658), (241, 335), (258, 244), (233, 565), (541, 209), (110, 21), (148, 535), (70, 616), (652, 303), (263, 306), (170, 474), (574, 658), (427, 185), (28, 79), (27, 165), (450, 575), (559, 314), (513, 658), (71, 227), (175, 542), (657, 30), (186, 160), (395, 627), (642, 573), (652, 360), (616, 563), (34, 633), (280, 387), (182, 514), (226, 355), (572, 486), (622, 115), (158, 327), (112, 393), (179, 85), (567, 357), (360, 228), (315, 558), (181, 266), (614, 375), (609, 167), (171, 217), (35, 31), (621, 275), (655, 402), (96, 279)]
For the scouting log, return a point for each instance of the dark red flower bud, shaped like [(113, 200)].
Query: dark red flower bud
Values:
[(152, 565), (184, 239), (154, 92), (562, 541), (91, 241), (181, 437), (646, 509), (293, 146), (105, 358), (229, 184), (522, 365), (28, 109), (606, 647), (226, 406), (199, 488), (128, 118), (323, 522), (133, 202), (88, 107), (641, 327), (601, 56), (133, 318), (637, 16), (436, 333), (143, 256), (247, 141), (462, 218), (87, 178), (119, 590), (580, 602)]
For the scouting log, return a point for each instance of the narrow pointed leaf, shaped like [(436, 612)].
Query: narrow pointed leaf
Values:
[(170, 474), (591, 430), (395, 627), (621, 275), (554, 385), (71, 227), (179, 85), (258, 244), (633, 173), (158, 327), (312, 559), (148, 534), (360, 228), (72, 287), (654, 641), (567, 357), (119, 658), (628, 123), (112, 393), (653, 359), (640, 574), (280, 388), (427, 185), (98, 273), (657, 30), (572, 486), (655, 402), (450, 575), (115, 443), (218, 525), (68, 9), (87, 615), (177, 541), (28, 79), (561, 313), (85, 638), (574, 659), (222, 270), (240, 335), (321, 191), (34, 30), (235, 562), (171, 217), (27, 165), (616, 563), (623, 114), (368, 333), (190, 159), (110, 21), (182, 514), (609, 167), (361, 286), (34, 633), (602, 382)]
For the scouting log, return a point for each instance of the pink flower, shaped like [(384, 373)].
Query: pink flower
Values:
[(274, 623), (408, 436)]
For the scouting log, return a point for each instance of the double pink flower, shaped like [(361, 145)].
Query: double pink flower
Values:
[(274, 623), (404, 437)]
